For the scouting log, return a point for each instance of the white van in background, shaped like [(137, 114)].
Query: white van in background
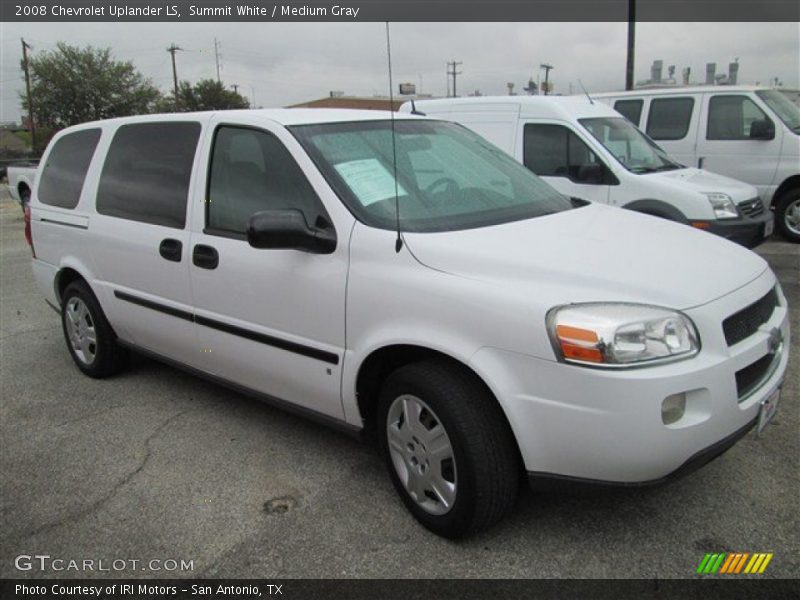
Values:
[(587, 150), (750, 133)]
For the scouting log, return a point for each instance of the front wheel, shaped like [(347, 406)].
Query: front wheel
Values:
[(448, 448), (787, 215)]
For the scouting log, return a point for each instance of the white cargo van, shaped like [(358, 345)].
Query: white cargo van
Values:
[(750, 133), (492, 327), (585, 149)]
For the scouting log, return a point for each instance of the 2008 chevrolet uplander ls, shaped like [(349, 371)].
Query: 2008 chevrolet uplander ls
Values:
[(510, 328)]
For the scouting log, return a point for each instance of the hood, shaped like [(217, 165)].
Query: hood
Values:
[(699, 180), (594, 253)]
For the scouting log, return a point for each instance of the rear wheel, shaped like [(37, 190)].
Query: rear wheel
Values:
[(90, 339), (448, 448), (787, 215)]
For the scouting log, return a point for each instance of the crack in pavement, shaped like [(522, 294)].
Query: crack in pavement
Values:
[(98, 504)]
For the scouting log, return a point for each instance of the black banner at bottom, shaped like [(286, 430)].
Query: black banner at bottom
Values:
[(389, 589)]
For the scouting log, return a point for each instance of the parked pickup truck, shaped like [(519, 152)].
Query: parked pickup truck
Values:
[(20, 181)]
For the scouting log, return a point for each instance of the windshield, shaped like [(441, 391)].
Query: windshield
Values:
[(787, 111), (448, 178), (633, 149)]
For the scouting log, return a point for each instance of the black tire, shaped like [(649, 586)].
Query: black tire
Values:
[(108, 357), (24, 198), (782, 204), (487, 465)]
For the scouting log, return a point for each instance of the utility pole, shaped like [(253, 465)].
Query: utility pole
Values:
[(216, 56), (172, 50), (547, 68), (453, 74), (235, 87), (31, 120), (631, 44)]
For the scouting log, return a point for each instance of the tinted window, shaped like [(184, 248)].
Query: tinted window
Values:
[(730, 117), (62, 176), (669, 118), (555, 151), (630, 109), (251, 171), (147, 171)]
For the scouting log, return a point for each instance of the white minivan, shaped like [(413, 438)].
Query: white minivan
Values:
[(747, 132), (488, 328), (587, 150)]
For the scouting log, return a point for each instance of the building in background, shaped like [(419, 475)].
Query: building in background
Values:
[(337, 99)]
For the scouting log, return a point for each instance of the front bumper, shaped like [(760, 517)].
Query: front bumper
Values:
[(747, 231), (573, 422)]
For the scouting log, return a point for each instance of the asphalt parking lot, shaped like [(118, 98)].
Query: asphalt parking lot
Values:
[(156, 464)]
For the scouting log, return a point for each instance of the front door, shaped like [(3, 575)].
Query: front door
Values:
[(560, 157), (271, 320), (725, 145)]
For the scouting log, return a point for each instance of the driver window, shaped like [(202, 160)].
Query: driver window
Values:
[(730, 117), (555, 151), (250, 171)]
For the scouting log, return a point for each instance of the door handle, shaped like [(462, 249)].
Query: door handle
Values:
[(205, 257), (170, 249), (700, 161)]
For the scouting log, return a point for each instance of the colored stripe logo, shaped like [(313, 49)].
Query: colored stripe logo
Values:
[(734, 563)]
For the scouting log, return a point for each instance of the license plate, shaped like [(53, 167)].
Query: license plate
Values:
[(769, 406), (769, 227)]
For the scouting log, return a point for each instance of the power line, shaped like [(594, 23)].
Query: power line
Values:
[(547, 68), (172, 49), (454, 73), (216, 56), (32, 121)]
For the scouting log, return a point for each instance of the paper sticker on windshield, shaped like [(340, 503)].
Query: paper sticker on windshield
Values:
[(369, 180)]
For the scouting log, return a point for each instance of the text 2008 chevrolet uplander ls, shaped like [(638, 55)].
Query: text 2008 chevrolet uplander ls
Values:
[(513, 328)]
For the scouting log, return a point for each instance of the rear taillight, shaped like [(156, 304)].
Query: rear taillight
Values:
[(28, 233)]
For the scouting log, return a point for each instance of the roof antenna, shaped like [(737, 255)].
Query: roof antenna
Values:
[(398, 245), (585, 92), (414, 110)]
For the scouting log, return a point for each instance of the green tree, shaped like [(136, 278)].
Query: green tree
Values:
[(73, 85), (206, 94)]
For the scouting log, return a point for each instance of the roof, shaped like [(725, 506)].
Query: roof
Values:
[(283, 116), (560, 107), (691, 89)]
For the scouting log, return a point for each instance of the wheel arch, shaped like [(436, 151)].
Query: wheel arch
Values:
[(789, 183), (381, 362), (22, 187), (66, 275), (657, 208)]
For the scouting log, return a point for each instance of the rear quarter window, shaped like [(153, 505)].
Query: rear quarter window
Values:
[(147, 172), (630, 109), (63, 174), (669, 118)]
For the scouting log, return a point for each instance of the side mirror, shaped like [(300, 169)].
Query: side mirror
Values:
[(763, 129), (593, 173), (287, 229)]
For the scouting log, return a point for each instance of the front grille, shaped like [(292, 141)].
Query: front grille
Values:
[(751, 208), (749, 378), (743, 324)]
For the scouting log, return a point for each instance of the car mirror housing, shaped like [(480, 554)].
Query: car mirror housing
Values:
[(288, 229)]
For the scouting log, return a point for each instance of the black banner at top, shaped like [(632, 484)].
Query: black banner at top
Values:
[(397, 10)]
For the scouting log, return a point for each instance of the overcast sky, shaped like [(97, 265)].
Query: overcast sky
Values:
[(285, 63)]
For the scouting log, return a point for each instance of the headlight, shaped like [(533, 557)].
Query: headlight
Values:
[(723, 206), (617, 335)]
